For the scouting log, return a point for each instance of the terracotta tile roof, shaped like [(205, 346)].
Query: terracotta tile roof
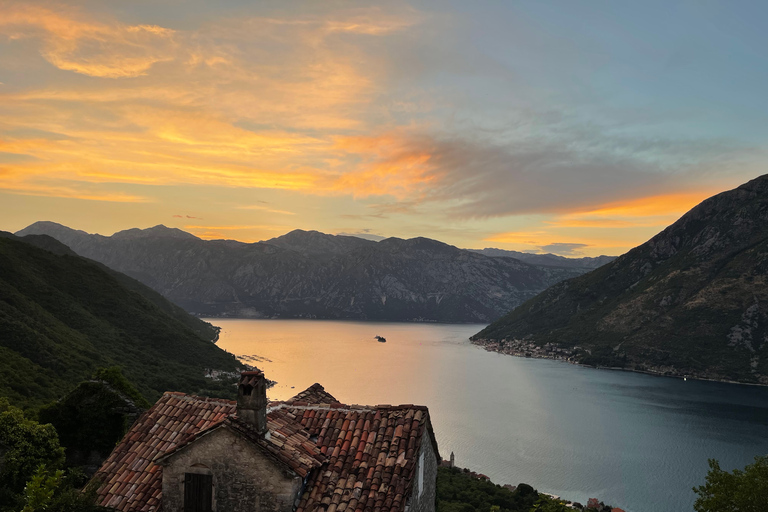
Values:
[(288, 444), (131, 481), (371, 456), (314, 394), (358, 458)]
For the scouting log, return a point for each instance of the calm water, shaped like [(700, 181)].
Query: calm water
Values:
[(634, 441)]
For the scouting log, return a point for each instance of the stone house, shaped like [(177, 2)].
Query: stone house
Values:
[(307, 454)]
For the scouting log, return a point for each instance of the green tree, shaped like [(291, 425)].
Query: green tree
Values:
[(39, 491), (25, 446), (742, 491), (31, 475)]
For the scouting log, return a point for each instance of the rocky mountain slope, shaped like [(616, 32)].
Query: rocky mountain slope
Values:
[(63, 316), (314, 275), (691, 301), (547, 260)]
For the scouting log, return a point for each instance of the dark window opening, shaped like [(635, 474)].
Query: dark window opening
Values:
[(247, 390), (198, 492)]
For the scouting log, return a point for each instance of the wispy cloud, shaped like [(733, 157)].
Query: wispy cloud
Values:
[(372, 113), (549, 173), (69, 191), (564, 249), (552, 241), (73, 43), (364, 233), (267, 209), (243, 233)]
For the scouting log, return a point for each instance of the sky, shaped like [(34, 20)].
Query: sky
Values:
[(579, 127)]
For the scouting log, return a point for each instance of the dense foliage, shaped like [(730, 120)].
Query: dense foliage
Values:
[(62, 317), (25, 445), (743, 491), (31, 468), (459, 491), (92, 418)]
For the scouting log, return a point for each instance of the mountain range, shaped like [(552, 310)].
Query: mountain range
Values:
[(548, 259), (62, 317), (315, 275), (691, 301)]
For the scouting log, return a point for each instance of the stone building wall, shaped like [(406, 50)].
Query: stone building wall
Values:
[(244, 478), (423, 500)]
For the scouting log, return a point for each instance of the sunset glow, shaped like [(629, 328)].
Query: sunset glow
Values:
[(478, 128)]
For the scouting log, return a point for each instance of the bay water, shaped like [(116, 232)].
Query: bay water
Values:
[(634, 441)]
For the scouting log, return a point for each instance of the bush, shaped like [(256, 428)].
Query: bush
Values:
[(745, 491)]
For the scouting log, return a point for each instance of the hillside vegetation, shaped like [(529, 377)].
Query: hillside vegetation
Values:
[(691, 301), (62, 317)]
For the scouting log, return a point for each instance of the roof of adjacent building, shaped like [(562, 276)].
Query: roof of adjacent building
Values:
[(357, 458), (315, 394)]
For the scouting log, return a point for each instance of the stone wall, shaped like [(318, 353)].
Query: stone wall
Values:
[(423, 499), (244, 478)]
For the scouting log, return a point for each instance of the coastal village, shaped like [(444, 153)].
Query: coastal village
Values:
[(573, 355), (523, 348)]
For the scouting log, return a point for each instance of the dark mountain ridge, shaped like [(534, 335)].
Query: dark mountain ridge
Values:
[(691, 301), (548, 259), (314, 275), (63, 316)]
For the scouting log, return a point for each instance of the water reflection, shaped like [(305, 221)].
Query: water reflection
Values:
[(636, 441)]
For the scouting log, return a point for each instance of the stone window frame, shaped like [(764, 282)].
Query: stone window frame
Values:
[(198, 468), (421, 473)]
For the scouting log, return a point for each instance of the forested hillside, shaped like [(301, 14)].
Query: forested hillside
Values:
[(63, 316)]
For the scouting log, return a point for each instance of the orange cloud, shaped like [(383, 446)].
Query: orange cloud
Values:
[(652, 211), (664, 204), (110, 50), (230, 228), (245, 233), (390, 165), (628, 224), (223, 112), (69, 192), (266, 209), (542, 238)]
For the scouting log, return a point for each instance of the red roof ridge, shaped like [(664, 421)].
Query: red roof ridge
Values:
[(308, 406), (207, 399)]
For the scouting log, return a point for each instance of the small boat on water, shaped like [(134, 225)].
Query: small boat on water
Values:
[(381, 339)]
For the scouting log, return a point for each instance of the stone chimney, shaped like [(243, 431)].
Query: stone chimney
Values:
[(252, 400)]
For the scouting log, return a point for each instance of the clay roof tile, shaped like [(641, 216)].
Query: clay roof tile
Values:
[(363, 459)]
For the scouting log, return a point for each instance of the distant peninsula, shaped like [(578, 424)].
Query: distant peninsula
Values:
[(690, 302)]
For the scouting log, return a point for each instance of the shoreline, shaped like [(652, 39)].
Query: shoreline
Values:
[(210, 319), (484, 344)]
